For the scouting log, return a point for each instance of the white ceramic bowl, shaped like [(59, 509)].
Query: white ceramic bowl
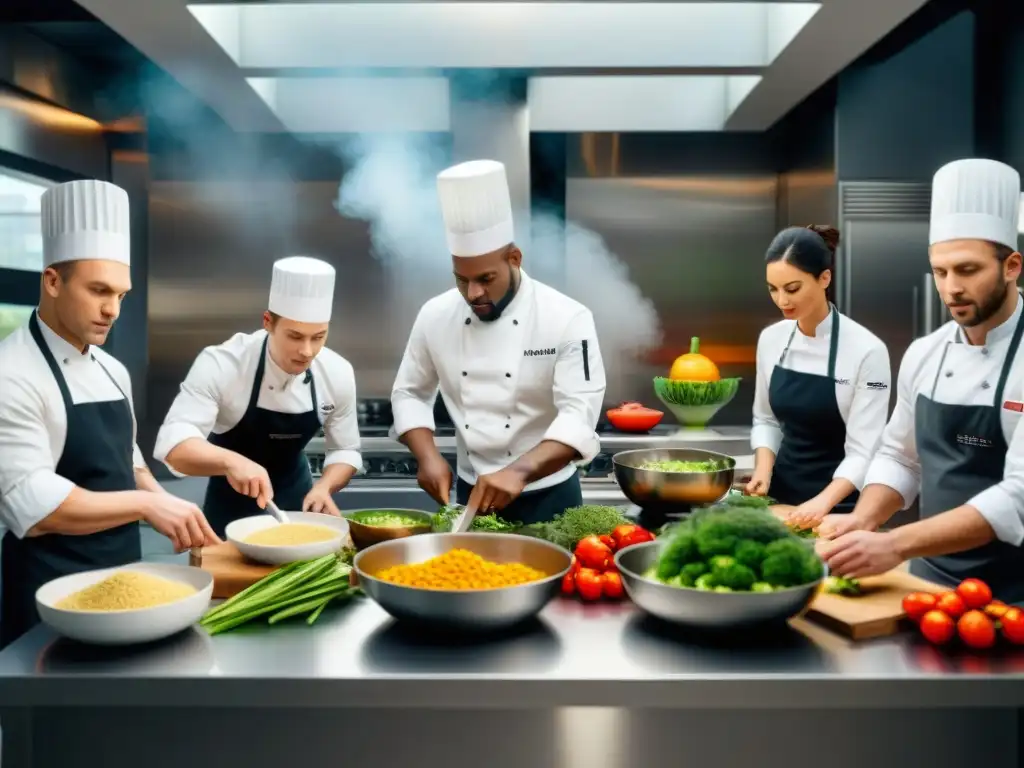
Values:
[(141, 625), (239, 530)]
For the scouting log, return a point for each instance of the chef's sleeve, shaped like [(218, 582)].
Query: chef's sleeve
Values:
[(1002, 505), (30, 488), (194, 410), (579, 386), (416, 384), (866, 419), (896, 463), (341, 426), (766, 431)]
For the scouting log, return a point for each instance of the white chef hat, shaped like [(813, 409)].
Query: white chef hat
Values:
[(302, 289), (476, 207), (975, 200), (85, 220)]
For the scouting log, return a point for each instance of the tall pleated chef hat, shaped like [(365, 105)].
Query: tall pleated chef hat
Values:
[(302, 289), (975, 200), (85, 219), (476, 207)]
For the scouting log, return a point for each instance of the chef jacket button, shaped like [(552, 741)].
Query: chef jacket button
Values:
[(984, 350), (984, 385), (948, 374), (508, 375), (464, 373), (506, 426), (514, 322), (271, 387), (467, 321), (65, 361), (467, 426)]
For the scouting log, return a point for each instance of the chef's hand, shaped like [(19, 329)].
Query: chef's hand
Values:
[(809, 514), (319, 500), (435, 477), (250, 479), (180, 521), (860, 553), (496, 490), (840, 524), (758, 484)]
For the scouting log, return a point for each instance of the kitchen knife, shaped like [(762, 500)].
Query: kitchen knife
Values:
[(273, 509)]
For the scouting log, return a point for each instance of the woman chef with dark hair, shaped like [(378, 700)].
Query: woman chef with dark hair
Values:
[(822, 391)]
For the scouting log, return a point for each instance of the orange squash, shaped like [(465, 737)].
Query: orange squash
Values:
[(694, 366)]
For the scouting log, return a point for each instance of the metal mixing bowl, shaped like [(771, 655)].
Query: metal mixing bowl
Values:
[(698, 609), (651, 489), (477, 609)]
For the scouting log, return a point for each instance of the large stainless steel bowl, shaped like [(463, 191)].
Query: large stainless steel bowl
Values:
[(652, 489), (698, 609), (478, 609)]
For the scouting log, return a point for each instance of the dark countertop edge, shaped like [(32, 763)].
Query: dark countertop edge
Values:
[(747, 693)]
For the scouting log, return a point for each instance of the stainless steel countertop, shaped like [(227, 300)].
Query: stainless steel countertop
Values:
[(575, 655)]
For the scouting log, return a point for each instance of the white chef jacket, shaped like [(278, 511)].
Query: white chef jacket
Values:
[(534, 374), (34, 421), (863, 378), (215, 395), (969, 376)]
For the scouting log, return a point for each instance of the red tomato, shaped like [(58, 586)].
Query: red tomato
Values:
[(574, 566), (951, 604), (593, 553), (612, 585), (996, 609), (569, 584), (1013, 625), (975, 593), (917, 604), (937, 627), (976, 629), (589, 584), (608, 541)]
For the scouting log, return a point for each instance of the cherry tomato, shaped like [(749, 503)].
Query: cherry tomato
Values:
[(975, 593), (569, 584), (951, 604), (612, 584), (608, 541), (917, 604), (593, 553), (976, 629), (1013, 625), (589, 584), (996, 609), (937, 627)]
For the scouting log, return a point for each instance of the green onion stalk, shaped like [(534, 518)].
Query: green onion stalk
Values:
[(305, 587)]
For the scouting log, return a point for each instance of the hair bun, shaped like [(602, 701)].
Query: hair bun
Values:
[(828, 233)]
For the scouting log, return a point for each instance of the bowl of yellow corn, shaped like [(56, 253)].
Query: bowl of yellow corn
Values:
[(465, 581)]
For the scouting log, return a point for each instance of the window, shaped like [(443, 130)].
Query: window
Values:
[(12, 316), (21, 244)]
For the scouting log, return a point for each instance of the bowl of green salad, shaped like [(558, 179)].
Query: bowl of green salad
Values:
[(673, 479), (372, 526)]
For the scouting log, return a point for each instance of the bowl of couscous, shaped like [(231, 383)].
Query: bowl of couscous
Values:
[(467, 581), (136, 603)]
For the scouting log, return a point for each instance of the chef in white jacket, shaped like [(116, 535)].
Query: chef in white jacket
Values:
[(958, 409), (73, 483), (517, 364), (248, 407)]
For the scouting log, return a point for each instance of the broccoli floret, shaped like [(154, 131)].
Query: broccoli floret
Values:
[(722, 589), (721, 561), (841, 585), (761, 586), (679, 580), (694, 571), (704, 582), (733, 575), (719, 532), (750, 553), (790, 562), (680, 550)]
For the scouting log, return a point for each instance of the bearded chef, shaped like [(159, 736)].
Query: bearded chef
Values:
[(73, 483), (958, 407), (517, 364), (248, 407)]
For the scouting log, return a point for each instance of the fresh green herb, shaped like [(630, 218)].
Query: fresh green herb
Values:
[(386, 518), (292, 590), (576, 523), (841, 585), (443, 520)]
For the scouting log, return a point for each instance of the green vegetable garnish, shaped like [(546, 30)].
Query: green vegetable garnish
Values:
[(672, 465), (841, 585)]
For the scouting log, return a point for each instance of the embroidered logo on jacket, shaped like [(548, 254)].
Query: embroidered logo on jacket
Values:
[(539, 352), (326, 407), (877, 385)]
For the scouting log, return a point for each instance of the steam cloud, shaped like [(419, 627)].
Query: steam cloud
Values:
[(391, 184)]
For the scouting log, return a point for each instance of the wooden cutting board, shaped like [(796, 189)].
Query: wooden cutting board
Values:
[(876, 613), (231, 571)]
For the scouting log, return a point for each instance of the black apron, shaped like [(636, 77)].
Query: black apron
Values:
[(276, 441), (97, 457), (538, 506), (962, 451), (813, 430)]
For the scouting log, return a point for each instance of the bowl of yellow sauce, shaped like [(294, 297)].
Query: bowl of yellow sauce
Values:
[(305, 536), (136, 603)]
